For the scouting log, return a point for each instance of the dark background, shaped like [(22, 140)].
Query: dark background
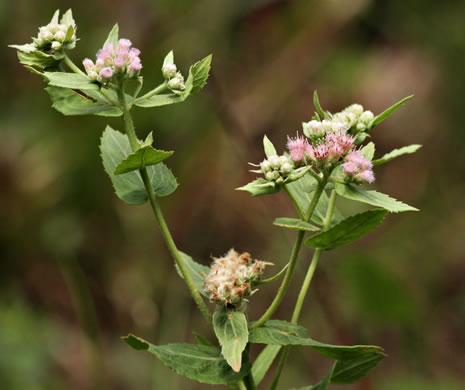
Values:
[(79, 268)]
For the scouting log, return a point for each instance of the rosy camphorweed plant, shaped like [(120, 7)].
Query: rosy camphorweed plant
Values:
[(330, 159)]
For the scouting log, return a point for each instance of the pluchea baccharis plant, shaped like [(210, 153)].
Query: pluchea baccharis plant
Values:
[(330, 159)]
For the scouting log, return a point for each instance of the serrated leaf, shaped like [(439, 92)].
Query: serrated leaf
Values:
[(263, 362), (70, 80), (39, 59), (302, 199), (144, 157), (199, 73), (295, 224), (270, 150), (368, 151), (319, 110), (69, 102), (349, 371), (231, 330), (348, 230), (260, 187), (195, 271), (396, 153), (201, 363), (112, 36), (374, 198), (67, 18), (114, 148), (277, 332), (381, 117)]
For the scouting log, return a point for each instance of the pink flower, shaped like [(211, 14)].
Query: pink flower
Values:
[(88, 64), (366, 175), (298, 148), (106, 73), (321, 153), (359, 168), (124, 44)]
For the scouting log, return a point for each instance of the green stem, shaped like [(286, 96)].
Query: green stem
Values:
[(248, 380), (73, 66), (293, 259), (129, 126), (242, 385), (305, 286), (155, 91)]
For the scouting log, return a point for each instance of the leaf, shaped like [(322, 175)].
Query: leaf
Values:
[(67, 18), (263, 362), (397, 153), (112, 36), (381, 117), (349, 371), (69, 102), (159, 100), (368, 151), (302, 199), (277, 332), (374, 198), (270, 150), (26, 48), (195, 271), (347, 231), (144, 157), (201, 363), (114, 148), (55, 17), (38, 58), (70, 80), (231, 330), (169, 59), (199, 74), (260, 187), (295, 224), (319, 110), (202, 340)]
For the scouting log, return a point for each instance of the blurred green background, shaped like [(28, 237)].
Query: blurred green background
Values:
[(69, 248)]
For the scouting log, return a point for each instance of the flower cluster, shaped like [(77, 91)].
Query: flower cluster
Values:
[(175, 80), (358, 168), (122, 60), (231, 277), (355, 118), (55, 36), (277, 168)]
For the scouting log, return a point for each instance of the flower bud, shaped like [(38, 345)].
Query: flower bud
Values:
[(106, 74), (177, 83), (56, 45), (60, 36), (169, 71), (355, 109), (367, 116)]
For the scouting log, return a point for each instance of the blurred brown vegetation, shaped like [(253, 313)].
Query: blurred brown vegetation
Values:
[(69, 248)]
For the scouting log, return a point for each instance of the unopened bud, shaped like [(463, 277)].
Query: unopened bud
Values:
[(169, 71), (60, 36), (367, 116)]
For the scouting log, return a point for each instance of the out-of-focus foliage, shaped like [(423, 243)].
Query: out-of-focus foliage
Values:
[(80, 268)]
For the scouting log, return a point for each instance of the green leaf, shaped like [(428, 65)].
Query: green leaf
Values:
[(381, 117), (114, 148), (196, 272), (70, 80), (396, 153), (374, 198), (232, 333), (263, 362), (55, 17), (295, 224), (349, 371), (198, 73), (302, 193), (69, 102), (348, 230), (144, 157), (26, 48), (201, 363), (270, 150), (112, 36), (38, 58), (160, 100), (277, 332), (319, 110), (169, 59), (67, 18), (368, 151), (260, 187), (202, 340)]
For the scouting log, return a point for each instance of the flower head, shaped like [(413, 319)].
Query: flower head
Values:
[(358, 168), (299, 148)]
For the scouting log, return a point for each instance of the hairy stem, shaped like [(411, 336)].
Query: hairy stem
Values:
[(292, 261), (304, 288), (129, 126)]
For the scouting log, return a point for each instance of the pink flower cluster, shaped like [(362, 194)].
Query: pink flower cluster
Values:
[(327, 151), (358, 168), (123, 60)]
